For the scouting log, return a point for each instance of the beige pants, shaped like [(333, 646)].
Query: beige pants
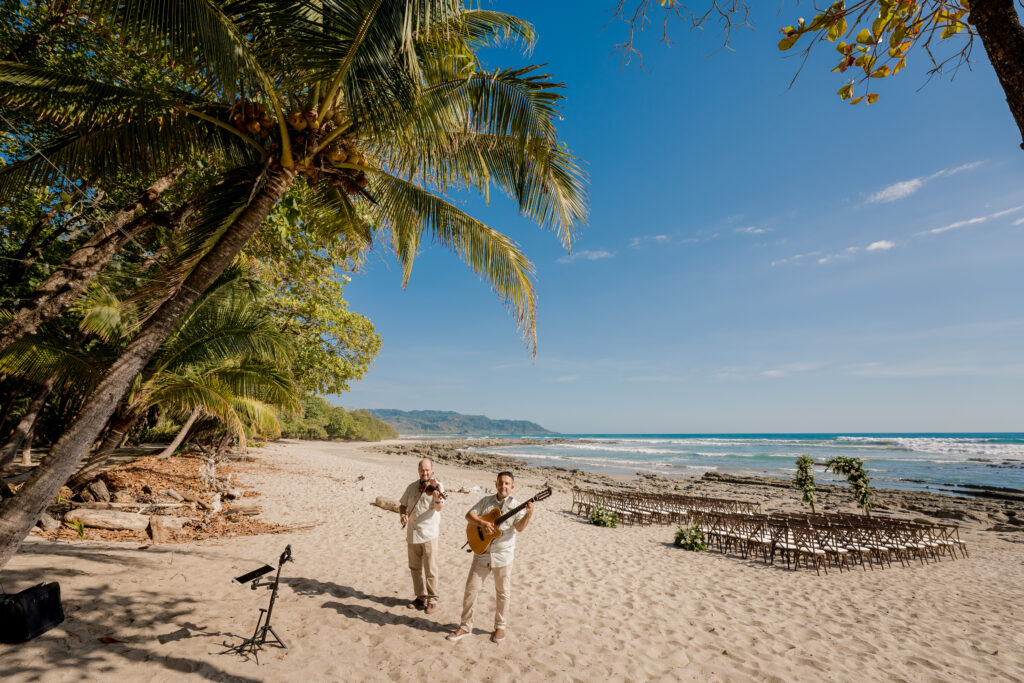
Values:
[(502, 591), (423, 565)]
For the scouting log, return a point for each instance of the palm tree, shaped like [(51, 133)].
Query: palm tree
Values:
[(226, 359), (389, 106)]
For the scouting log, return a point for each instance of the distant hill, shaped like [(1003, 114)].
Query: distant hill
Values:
[(450, 422)]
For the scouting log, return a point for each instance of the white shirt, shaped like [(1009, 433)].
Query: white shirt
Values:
[(424, 521), (502, 550)]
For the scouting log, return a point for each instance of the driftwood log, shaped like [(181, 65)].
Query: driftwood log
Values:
[(108, 519), (386, 504)]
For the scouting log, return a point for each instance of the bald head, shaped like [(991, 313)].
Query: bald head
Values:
[(426, 468)]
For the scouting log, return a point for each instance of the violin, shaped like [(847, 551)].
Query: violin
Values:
[(431, 485)]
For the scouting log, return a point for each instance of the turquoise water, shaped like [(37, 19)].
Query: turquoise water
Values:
[(939, 462)]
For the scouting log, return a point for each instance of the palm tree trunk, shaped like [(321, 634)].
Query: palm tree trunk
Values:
[(19, 515), (182, 433), (60, 290), (26, 453), (1001, 33), (28, 421), (120, 425)]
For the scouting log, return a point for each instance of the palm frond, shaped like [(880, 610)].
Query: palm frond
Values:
[(39, 357), (517, 102), (258, 415), (151, 146), (480, 28), (196, 33), (409, 211), (104, 314), (78, 102), (545, 180)]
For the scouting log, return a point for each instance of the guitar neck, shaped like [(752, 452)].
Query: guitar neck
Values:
[(514, 511)]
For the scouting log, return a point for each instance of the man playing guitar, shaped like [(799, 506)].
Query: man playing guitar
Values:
[(497, 560)]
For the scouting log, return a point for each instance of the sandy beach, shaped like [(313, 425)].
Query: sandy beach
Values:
[(588, 603)]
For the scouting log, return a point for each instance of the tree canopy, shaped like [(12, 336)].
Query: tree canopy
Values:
[(874, 39)]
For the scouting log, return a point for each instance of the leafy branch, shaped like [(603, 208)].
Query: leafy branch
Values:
[(853, 469)]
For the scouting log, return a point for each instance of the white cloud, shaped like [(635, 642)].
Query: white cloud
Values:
[(790, 368), (636, 242), (845, 253), (971, 221), (906, 188), (925, 370), (1018, 221), (656, 379), (586, 255), (897, 191), (752, 230), (796, 258), (880, 245)]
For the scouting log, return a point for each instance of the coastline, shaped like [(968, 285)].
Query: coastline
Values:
[(990, 511), (588, 603)]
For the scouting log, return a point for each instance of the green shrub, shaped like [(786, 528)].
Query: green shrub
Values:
[(691, 538), (804, 479), (602, 516), (163, 432)]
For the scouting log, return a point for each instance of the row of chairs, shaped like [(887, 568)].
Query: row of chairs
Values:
[(829, 540), (635, 507)]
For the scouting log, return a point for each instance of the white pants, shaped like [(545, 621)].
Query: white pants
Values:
[(502, 590)]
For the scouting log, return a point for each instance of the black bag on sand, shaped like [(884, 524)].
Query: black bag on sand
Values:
[(27, 614)]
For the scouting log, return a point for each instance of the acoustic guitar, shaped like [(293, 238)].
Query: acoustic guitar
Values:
[(480, 540)]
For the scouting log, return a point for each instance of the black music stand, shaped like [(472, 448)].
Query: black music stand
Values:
[(259, 639)]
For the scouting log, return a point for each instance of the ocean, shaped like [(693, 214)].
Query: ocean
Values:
[(948, 463)]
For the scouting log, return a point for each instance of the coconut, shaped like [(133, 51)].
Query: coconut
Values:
[(253, 126), (335, 155), (266, 121), (312, 119), (295, 120), (362, 180)]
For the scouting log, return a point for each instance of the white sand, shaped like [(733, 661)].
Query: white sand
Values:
[(588, 603)]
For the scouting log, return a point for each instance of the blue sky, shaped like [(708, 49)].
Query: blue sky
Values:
[(757, 258)]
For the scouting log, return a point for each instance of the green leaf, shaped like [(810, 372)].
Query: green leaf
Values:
[(788, 41), (865, 37)]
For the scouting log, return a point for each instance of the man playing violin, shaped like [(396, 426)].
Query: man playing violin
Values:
[(420, 512)]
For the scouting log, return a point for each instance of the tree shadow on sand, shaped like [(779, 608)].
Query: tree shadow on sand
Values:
[(83, 645)]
